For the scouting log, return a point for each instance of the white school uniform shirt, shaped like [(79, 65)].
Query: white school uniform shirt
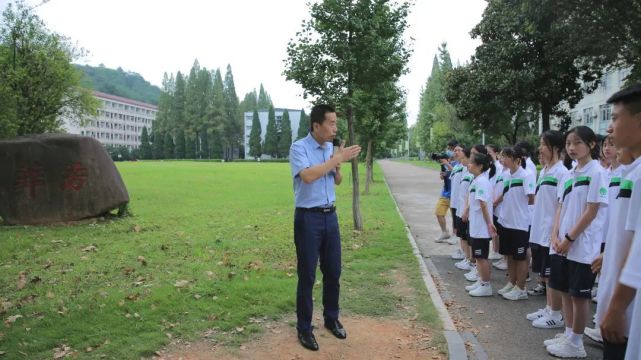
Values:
[(480, 190), (613, 181), (501, 182), (580, 187), (515, 213), (546, 202), (618, 244), (455, 181), (531, 168), (631, 274), (499, 168), (463, 191)]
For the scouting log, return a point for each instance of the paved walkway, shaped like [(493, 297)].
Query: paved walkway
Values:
[(492, 327)]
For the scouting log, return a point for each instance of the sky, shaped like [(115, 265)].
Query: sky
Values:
[(151, 37)]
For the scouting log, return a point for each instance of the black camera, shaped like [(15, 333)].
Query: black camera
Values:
[(439, 156)]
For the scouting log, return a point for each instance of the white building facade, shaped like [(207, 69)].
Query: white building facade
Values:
[(294, 118), (119, 121), (592, 110)]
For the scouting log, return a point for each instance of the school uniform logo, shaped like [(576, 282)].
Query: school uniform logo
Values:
[(603, 192)]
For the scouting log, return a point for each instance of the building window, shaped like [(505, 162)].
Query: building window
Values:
[(605, 112), (588, 116)]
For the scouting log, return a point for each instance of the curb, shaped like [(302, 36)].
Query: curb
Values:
[(455, 345)]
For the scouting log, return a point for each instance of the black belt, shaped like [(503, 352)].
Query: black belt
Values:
[(318, 209)]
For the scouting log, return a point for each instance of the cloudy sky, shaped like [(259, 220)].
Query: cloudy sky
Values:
[(151, 37)]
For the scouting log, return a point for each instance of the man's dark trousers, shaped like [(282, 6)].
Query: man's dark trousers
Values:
[(317, 236)]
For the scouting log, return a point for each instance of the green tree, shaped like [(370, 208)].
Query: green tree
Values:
[(180, 144), (270, 146), (264, 100), (233, 118), (217, 124), (255, 147), (303, 125), (158, 145), (335, 54), (39, 86), (177, 114), (145, 147), (285, 137), (530, 54), (169, 147)]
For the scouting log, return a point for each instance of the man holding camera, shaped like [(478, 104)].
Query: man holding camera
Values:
[(443, 204)]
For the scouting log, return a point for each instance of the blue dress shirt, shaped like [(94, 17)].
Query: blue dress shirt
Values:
[(306, 153)]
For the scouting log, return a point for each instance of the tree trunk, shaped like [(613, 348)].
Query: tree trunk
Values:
[(369, 167), (356, 208), (546, 109)]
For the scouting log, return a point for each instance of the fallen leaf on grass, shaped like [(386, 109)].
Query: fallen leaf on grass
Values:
[(240, 329), (22, 280), (127, 270), (11, 319), (181, 283), (142, 260), (47, 264), (61, 352), (2, 353), (136, 228), (90, 248), (36, 279)]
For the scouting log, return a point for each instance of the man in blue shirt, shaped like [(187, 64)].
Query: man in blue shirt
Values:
[(315, 166)]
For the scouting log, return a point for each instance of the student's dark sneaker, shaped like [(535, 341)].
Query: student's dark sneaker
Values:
[(538, 290)]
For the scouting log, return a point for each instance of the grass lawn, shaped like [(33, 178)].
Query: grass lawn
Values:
[(422, 163), (208, 246)]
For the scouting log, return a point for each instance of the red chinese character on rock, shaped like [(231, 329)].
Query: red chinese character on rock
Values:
[(76, 176), (29, 177)]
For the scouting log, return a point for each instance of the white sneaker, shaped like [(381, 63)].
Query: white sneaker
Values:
[(506, 289), (494, 256), (516, 294), (458, 255), (501, 264), (453, 240), (473, 286), (548, 322), (442, 238), (593, 334), (463, 265), (565, 349), (473, 275), (537, 314), (555, 340), (482, 290)]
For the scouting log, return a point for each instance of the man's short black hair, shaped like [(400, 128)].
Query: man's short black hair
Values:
[(630, 98), (317, 115), (452, 143)]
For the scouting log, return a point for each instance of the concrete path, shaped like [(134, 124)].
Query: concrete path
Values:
[(493, 328)]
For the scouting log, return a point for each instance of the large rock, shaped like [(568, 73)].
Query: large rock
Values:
[(55, 178)]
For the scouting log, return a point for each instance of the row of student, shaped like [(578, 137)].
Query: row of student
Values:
[(563, 219)]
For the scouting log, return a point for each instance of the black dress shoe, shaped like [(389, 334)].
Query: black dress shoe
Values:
[(308, 340), (336, 328)]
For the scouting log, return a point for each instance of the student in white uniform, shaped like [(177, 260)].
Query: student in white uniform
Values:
[(480, 219), (515, 220), (501, 184), (614, 171), (462, 230), (476, 149), (576, 239), (493, 151), (455, 182), (545, 205), (622, 314)]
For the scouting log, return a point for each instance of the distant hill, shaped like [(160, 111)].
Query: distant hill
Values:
[(120, 83)]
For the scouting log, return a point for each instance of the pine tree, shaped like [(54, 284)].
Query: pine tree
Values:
[(285, 138), (255, 148), (303, 125), (264, 101), (234, 119), (270, 146), (177, 115), (158, 145), (205, 148), (180, 144), (145, 147), (169, 146)]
